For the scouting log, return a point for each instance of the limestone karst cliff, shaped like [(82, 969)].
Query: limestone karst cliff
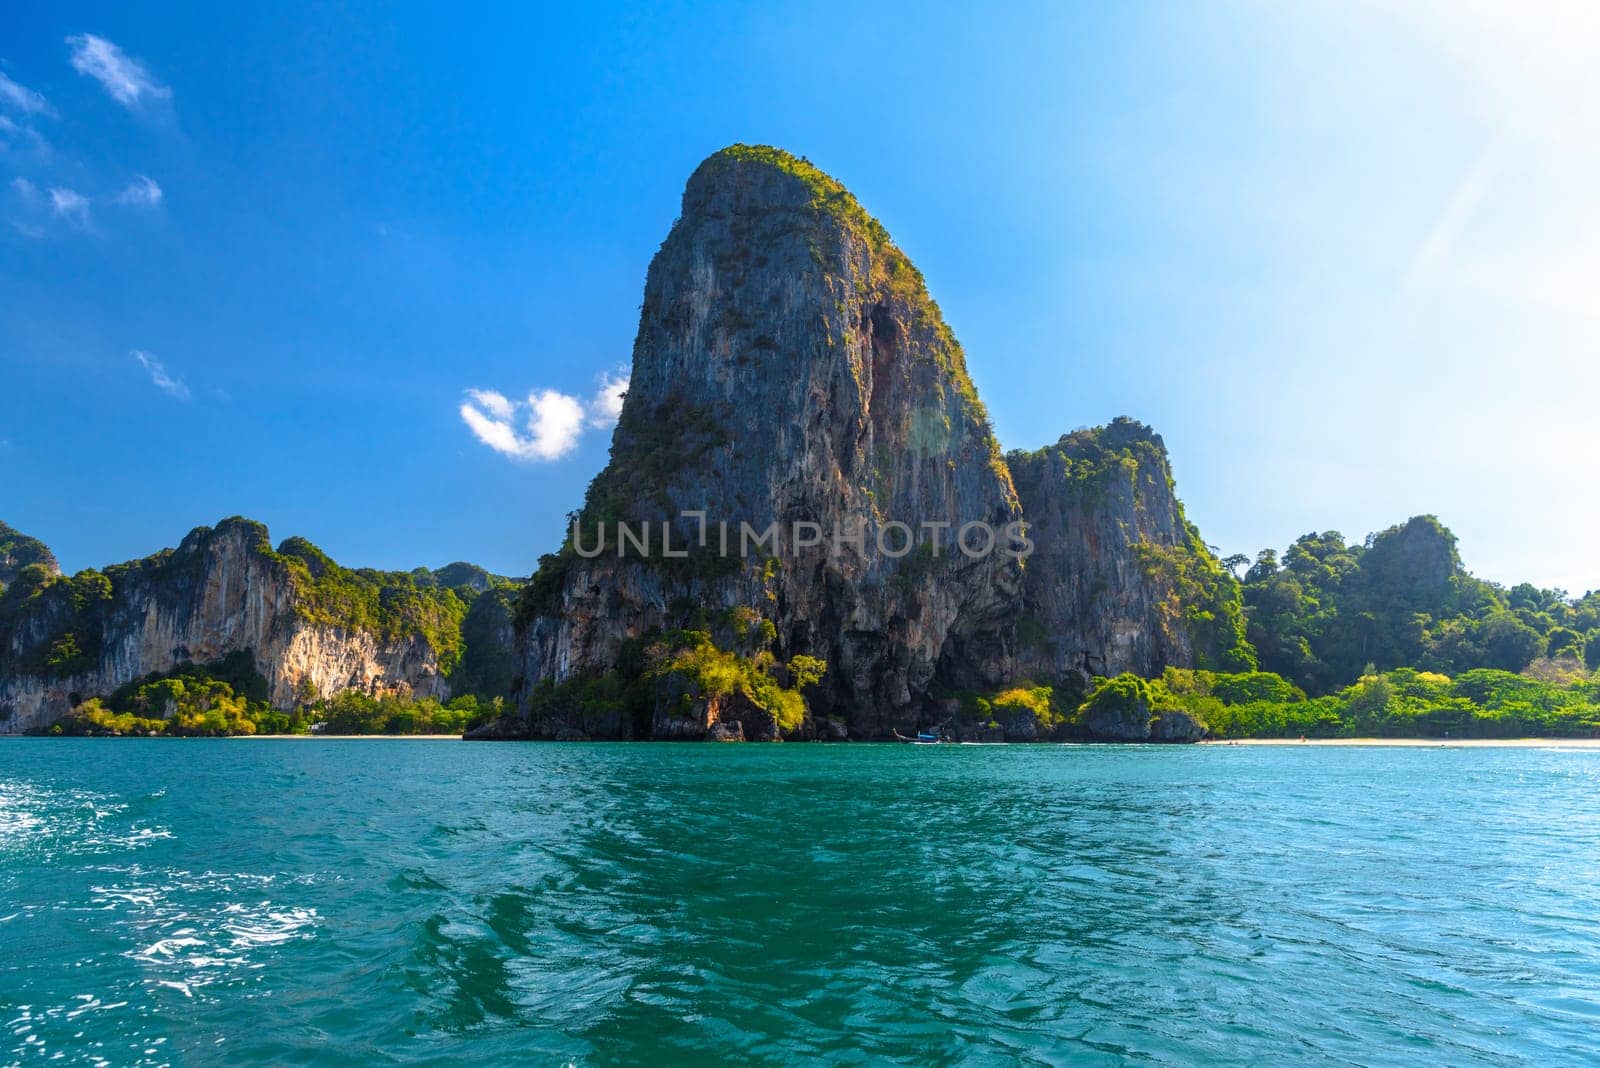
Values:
[(1119, 580), (312, 628), (790, 366)]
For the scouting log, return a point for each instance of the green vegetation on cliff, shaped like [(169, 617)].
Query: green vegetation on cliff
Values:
[(229, 697), (51, 624), (222, 698), (1024, 706), (1204, 598), (1089, 459), (390, 604), (488, 664), (1391, 638), (828, 194), (700, 671), (670, 674), (1123, 708)]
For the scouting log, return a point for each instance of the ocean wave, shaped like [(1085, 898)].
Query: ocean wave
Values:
[(188, 935), (39, 823), (650, 904)]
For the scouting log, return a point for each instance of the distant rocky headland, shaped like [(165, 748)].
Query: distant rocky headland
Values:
[(282, 628), (791, 371)]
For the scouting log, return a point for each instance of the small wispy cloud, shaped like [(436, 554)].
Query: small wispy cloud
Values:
[(71, 206), (546, 426), (27, 207), (606, 406), (142, 192), (125, 78), (21, 99), (173, 387), (14, 134)]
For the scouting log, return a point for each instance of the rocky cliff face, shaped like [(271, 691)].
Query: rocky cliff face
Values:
[(1118, 580), (790, 367), (310, 626)]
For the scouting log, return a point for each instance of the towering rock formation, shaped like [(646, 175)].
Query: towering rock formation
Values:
[(312, 628), (790, 366), (1119, 580)]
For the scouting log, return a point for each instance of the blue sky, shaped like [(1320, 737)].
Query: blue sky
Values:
[(252, 261)]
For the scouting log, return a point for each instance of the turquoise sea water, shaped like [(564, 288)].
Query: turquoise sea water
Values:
[(399, 901)]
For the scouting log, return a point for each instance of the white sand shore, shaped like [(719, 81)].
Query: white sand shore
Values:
[(1436, 743), (347, 737)]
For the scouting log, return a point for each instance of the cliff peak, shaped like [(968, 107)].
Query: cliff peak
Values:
[(757, 163), (1119, 435), (753, 180), (18, 550)]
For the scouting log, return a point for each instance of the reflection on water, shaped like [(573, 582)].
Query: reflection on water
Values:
[(289, 901)]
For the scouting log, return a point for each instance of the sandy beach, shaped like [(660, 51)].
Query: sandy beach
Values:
[(348, 737), (1447, 743)]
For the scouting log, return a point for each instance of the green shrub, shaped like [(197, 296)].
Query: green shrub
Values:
[(693, 658)]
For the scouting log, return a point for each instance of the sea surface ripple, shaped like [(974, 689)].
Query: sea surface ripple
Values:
[(407, 901)]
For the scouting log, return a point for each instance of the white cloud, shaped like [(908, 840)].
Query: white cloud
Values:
[(494, 403), (552, 423), (22, 99), (70, 205), (142, 192), (124, 77), (37, 211), (173, 387), (14, 133), (557, 422), (606, 406)]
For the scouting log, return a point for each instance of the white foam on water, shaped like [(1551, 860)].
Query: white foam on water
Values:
[(43, 823), (186, 940)]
